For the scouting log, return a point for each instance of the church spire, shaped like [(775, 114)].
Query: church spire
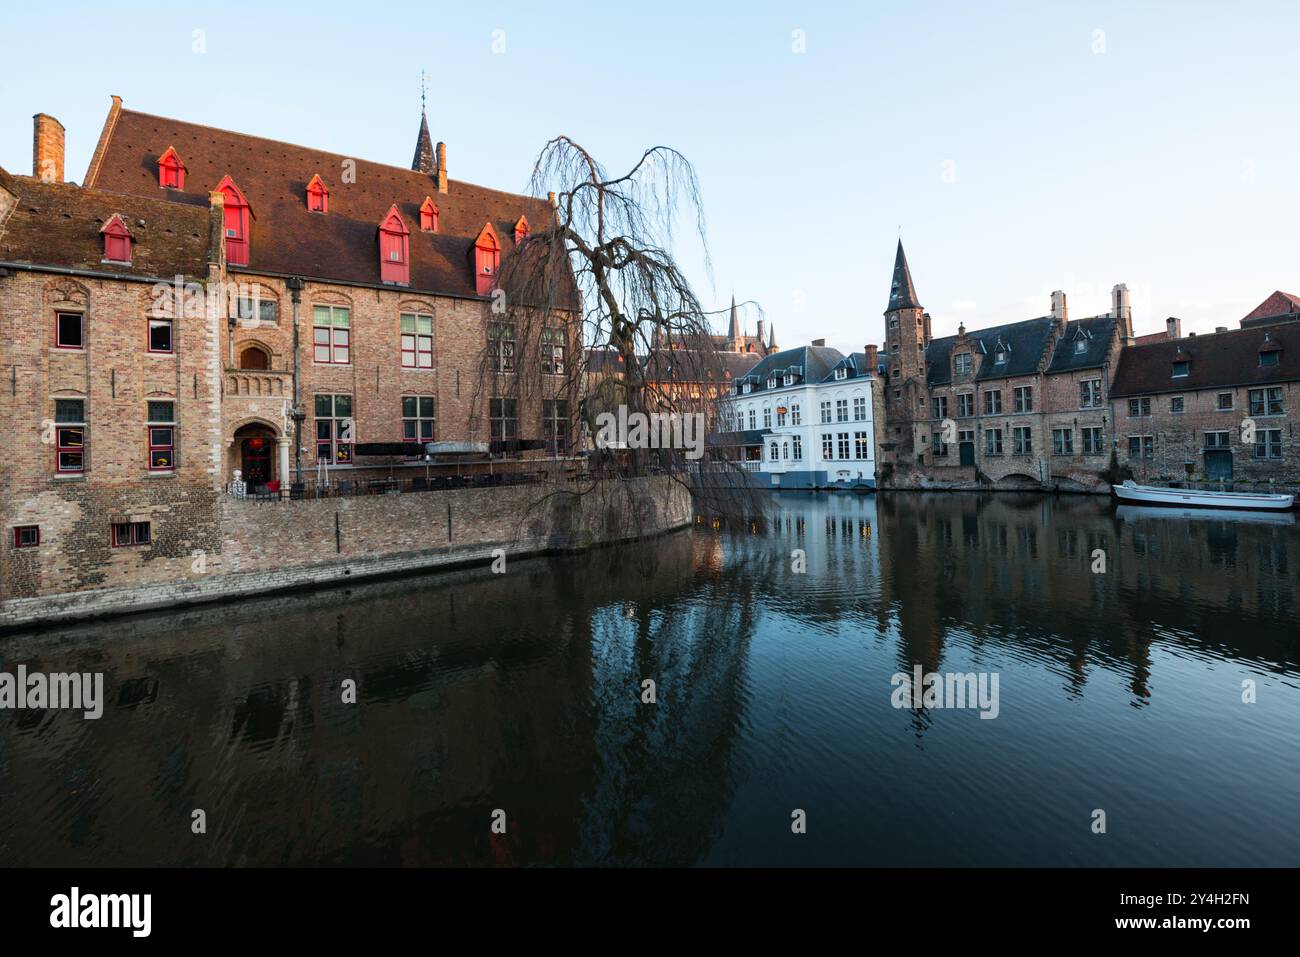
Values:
[(733, 328), (902, 294), (771, 339), (424, 161)]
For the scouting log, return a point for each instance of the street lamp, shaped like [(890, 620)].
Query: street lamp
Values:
[(295, 287)]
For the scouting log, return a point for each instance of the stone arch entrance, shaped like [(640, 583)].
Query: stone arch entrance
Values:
[(260, 454)]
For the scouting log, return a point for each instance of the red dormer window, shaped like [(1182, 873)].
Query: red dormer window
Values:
[(117, 240), (237, 222), (521, 229), (318, 197), (428, 216), (487, 260), (394, 260), (171, 171)]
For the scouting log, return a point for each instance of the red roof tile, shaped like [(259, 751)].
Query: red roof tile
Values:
[(58, 224), (289, 239), (1279, 305)]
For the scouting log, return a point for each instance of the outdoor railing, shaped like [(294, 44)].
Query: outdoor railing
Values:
[(353, 488)]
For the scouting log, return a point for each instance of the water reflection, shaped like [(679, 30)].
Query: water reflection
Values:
[(1121, 689)]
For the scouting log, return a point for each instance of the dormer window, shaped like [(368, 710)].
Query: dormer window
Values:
[(1181, 368), (771, 382), (171, 171), (747, 388), (428, 216), (1270, 353), (394, 260), (961, 363), (237, 216), (487, 260), (117, 240), (318, 197), (521, 229), (1080, 346), (841, 373), (1000, 357), (789, 379)]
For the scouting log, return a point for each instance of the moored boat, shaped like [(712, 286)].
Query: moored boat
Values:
[(1130, 491)]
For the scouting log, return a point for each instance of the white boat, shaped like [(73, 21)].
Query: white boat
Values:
[(1130, 491)]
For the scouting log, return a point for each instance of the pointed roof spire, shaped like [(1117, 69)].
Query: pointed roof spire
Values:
[(771, 339), (424, 161), (902, 294), (733, 328)]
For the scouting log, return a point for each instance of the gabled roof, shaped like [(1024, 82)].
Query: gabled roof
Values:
[(1279, 307), (59, 225), (1217, 360), (1023, 341), (288, 239), (855, 364), (1097, 334)]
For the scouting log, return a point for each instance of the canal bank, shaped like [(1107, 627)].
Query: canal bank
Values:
[(286, 545)]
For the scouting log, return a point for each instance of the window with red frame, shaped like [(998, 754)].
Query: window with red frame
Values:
[(69, 436), (394, 265), (428, 216), (130, 533), (69, 330), (27, 536), (318, 197), (521, 229), (487, 259), (332, 334), (171, 171), (417, 341), (417, 420), (236, 222), (161, 431), (117, 241)]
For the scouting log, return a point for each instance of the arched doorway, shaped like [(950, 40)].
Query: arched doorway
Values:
[(256, 453), (254, 357)]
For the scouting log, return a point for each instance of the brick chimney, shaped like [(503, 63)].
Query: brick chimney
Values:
[(873, 362), (47, 148), (442, 167), (819, 342), (1174, 327), (761, 344)]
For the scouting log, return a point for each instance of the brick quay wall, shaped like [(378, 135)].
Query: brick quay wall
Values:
[(279, 546)]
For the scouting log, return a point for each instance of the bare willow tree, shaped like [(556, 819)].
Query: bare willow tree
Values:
[(595, 298)]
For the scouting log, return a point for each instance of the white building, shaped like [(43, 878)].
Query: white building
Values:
[(806, 418)]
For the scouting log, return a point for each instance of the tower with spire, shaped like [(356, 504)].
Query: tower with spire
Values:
[(907, 333), (427, 160)]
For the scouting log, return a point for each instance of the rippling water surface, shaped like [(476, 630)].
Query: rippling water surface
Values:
[(1120, 691)]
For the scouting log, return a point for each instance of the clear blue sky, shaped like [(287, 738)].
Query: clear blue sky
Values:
[(1019, 149)]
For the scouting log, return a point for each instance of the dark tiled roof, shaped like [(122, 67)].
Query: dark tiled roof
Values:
[(58, 224), (855, 363), (698, 365), (1279, 307), (1219, 360), (815, 361), (1023, 341), (1096, 333), (742, 437), (289, 239)]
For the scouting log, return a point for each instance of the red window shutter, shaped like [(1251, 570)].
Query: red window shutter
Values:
[(236, 222), (318, 197), (171, 171), (394, 261), (429, 216), (117, 241)]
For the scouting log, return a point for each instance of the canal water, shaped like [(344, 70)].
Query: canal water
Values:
[(1147, 667)]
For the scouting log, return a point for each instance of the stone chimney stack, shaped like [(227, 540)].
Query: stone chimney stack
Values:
[(1060, 311), (1120, 310), (442, 167), (761, 344), (873, 361), (1174, 327), (47, 148)]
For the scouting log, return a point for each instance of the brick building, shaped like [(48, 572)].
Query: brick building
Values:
[(1023, 403), (1053, 400), (1214, 407), (133, 403)]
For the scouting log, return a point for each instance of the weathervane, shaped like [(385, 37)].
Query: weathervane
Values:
[(423, 77)]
